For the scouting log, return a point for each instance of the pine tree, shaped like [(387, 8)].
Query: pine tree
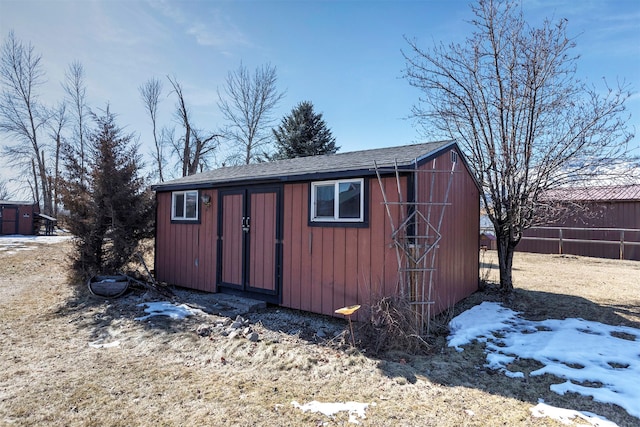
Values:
[(303, 133), (112, 210)]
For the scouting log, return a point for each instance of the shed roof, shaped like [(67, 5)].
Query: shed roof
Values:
[(313, 166), (602, 193), (17, 202)]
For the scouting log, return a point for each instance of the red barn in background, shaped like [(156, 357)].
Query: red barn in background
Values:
[(602, 222)]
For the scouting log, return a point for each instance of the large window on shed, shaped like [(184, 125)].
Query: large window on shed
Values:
[(184, 205), (337, 201)]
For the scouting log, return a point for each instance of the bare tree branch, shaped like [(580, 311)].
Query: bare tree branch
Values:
[(21, 115), (5, 194), (194, 145), (56, 127), (247, 106), (150, 94), (76, 91)]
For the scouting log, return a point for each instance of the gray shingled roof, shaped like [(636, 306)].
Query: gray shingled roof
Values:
[(300, 167)]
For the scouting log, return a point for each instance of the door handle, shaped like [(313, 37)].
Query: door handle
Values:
[(245, 224)]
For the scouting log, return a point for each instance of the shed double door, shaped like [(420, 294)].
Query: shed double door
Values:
[(250, 242), (8, 220)]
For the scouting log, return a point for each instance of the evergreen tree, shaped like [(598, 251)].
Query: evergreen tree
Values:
[(303, 133), (112, 210)]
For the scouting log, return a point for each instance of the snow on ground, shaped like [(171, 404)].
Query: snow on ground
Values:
[(565, 416), (576, 350), (165, 308), (16, 242), (330, 408), (100, 344)]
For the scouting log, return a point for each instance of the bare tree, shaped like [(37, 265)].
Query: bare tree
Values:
[(182, 115), (196, 145), (247, 106), (528, 124), (21, 115), (5, 194), (150, 93), (75, 89), (56, 126)]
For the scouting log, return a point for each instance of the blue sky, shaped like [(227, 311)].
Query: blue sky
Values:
[(343, 56)]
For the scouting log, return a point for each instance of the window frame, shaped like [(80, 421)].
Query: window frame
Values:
[(336, 220), (184, 218)]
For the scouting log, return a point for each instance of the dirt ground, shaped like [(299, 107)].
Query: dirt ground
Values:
[(69, 358)]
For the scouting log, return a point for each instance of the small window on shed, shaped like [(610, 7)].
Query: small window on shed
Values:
[(337, 201), (184, 205)]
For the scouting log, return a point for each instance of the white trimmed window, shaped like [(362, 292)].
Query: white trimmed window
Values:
[(184, 205), (337, 201)]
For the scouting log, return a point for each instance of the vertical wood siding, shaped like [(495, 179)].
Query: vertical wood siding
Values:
[(456, 262), (18, 219), (262, 254), (326, 268), (186, 253), (26, 215), (9, 223), (232, 238)]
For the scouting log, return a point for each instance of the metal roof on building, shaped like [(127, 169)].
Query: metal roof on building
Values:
[(305, 167), (601, 193)]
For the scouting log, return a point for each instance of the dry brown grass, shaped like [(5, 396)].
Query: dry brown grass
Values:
[(163, 373)]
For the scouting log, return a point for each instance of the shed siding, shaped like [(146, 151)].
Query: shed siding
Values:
[(610, 214), (9, 219), (18, 218), (26, 215), (186, 253), (456, 263), (232, 239), (326, 268), (261, 250)]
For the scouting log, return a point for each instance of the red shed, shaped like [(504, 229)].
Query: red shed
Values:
[(323, 232), (18, 217), (602, 221)]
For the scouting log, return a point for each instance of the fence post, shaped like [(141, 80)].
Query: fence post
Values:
[(621, 244), (560, 242)]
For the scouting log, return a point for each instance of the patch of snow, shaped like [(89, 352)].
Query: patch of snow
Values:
[(100, 344), (16, 242), (576, 350), (330, 409), (478, 324), (567, 416), (19, 238), (165, 308)]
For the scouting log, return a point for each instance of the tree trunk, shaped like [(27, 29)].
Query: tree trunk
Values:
[(46, 188), (36, 188), (505, 261), (56, 176)]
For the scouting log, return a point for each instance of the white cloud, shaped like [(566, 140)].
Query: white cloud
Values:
[(208, 27)]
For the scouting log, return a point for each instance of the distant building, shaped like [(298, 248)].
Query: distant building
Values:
[(487, 233), (602, 222), (19, 217)]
